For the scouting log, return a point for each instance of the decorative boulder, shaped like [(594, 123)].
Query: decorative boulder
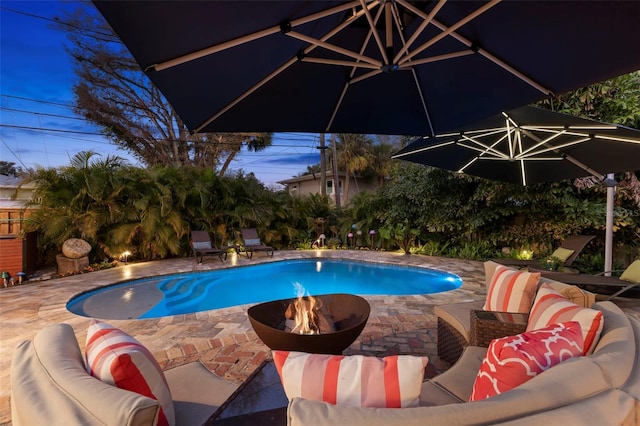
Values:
[(75, 248)]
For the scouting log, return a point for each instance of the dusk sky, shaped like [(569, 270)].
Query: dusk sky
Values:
[(37, 125)]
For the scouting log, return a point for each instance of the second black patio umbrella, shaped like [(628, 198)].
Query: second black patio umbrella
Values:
[(405, 67), (529, 145)]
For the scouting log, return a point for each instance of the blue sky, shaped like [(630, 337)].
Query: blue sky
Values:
[(37, 123)]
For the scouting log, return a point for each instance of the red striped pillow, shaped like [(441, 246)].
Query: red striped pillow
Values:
[(514, 360), (551, 307), (120, 360), (356, 380), (511, 290)]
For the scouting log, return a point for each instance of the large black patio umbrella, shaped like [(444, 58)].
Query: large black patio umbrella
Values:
[(370, 66), (529, 145)]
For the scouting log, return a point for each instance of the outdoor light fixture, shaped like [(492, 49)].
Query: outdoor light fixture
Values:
[(125, 256), (526, 254), (372, 235)]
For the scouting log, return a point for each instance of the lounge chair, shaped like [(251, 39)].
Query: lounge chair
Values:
[(253, 244), (201, 246), (629, 279), (575, 243)]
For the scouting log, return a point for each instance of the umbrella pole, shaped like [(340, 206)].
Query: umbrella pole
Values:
[(608, 239)]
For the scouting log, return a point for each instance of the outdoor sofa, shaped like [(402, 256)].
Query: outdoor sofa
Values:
[(50, 386), (602, 388)]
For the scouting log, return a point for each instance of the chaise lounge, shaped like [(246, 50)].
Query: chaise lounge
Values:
[(201, 246), (252, 243), (628, 280), (568, 251)]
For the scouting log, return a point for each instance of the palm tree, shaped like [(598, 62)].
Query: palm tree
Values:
[(354, 155)]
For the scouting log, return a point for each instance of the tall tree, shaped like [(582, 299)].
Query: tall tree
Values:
[(112, 92), (354, 156)]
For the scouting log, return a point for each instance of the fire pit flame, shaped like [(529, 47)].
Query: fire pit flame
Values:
[(307, 315)]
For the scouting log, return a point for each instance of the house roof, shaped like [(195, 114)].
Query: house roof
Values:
[(304, 178)]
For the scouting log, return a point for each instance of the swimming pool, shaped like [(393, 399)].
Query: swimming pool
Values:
[(202, 291)]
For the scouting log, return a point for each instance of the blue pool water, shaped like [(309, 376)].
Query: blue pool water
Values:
[(202, 291)]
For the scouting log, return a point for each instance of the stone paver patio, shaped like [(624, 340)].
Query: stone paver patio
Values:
[(223, 339)]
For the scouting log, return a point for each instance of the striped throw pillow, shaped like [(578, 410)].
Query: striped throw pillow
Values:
[(513, 360), (511, 290), (356, 380), (120, 360), (550, 307)]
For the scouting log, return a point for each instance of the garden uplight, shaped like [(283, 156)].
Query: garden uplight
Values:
[(526, 254)]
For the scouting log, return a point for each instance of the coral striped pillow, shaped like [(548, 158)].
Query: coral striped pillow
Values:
[(120, 360), (514, 360), (551, 307), (357, 380), (511, 290)]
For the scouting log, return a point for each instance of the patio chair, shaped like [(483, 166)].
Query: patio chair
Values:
[(629, 279), (253, 244), (574, 243), (201, 246)]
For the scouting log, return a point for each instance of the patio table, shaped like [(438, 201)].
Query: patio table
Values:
[(488, 325)]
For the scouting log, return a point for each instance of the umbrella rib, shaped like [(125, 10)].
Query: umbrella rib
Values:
[(426, 148), (436, 58), (333, 48), (497, 60), (340, 63), (487, 148), (540, 142), (247, 38), (247, 93), (555, 148), (425, 22), (349, 82), (376, 36), (396, 18), (450, 29)]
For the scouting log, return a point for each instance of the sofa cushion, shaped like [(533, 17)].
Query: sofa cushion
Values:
[(197, 392), (357, 380), (572, 293), (513, 360), (458, 315), (550, 307), (120, 360), (511, 291), (458, 380), (50, 386)]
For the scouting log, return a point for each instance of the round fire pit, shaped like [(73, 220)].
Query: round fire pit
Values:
[(349, 313)]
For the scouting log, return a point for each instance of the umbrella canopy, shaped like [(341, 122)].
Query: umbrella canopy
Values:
[(369, 66), (531, 145)]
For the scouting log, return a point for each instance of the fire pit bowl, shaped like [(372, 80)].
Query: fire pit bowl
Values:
[(349, 313)]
